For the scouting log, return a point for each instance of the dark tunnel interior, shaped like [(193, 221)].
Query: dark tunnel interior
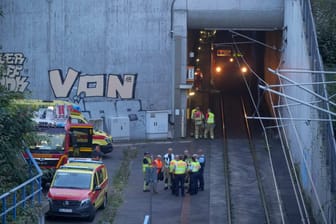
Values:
[(227, 65)]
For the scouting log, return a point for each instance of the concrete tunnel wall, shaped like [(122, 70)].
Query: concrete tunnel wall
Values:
[(304, 137)]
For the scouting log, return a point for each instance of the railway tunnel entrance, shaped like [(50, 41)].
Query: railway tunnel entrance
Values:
[(230, 64)]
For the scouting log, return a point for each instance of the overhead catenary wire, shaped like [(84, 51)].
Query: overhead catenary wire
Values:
[(292, 121), (303, 159), (266, 138)]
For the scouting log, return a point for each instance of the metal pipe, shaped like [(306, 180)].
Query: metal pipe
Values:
[(296, 100), (172, 19), (294, 104), (305, 71), (308, 90), (288, 118), (305, 83)]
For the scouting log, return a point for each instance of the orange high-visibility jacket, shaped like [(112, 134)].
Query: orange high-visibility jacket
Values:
[(159, 164)]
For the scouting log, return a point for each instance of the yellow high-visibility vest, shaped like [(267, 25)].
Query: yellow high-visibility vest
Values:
[(193, 113), (172, 165), (211, 118), (195, 166), (145, 165), (180, 167)]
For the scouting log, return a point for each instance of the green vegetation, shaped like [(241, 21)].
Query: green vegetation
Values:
[(118, 185), (325, 19), (15, 123)]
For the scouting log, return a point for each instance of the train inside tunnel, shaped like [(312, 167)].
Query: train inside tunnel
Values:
[(228, 66)]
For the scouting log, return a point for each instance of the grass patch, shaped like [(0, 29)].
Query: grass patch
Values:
[(119, 183)]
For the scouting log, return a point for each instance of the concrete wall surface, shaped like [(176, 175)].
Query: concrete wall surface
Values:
[(91, 53), (303, 132), (125, 51)]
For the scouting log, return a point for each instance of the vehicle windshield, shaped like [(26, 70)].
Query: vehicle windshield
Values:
[(49, 139), (72, 180)]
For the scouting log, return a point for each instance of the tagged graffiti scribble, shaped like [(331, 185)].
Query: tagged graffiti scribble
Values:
[(11, 66), (101, 85)]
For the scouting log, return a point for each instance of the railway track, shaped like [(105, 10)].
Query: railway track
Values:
[(256, 191), (244, 190)]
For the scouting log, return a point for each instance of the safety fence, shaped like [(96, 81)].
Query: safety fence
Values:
[(26, 194)]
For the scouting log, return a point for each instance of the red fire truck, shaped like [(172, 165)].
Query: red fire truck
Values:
[(51, 146)]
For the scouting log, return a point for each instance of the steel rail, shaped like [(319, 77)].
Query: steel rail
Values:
[(275, 182), (255, 165), (226, 165)]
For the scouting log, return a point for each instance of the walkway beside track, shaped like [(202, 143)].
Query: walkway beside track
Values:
[(207, 206)]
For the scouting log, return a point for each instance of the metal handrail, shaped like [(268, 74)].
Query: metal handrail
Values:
[(24, 197)]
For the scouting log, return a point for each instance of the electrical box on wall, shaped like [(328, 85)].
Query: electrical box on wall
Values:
[(119, 128), (157, 124)]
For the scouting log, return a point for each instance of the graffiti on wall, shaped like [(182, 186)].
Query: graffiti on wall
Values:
[(92, 85), (11, 67)]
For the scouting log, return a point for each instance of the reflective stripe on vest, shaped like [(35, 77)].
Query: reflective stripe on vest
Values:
[(211, 118), (180, 167)]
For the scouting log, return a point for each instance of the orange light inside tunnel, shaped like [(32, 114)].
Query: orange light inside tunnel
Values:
[(218, 69), (231, 59), (243, 69)]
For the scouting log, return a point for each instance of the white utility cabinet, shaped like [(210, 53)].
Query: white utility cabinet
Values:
[(157, 124), (119, 128)]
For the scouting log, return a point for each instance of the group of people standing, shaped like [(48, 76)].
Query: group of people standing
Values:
[(178, 172), (203, 124)]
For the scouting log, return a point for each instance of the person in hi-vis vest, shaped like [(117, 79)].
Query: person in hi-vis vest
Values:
[(199, 121), (209, 124)]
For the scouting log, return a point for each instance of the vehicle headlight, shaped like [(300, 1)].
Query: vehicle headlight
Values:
[(108, 140), (85, 203)]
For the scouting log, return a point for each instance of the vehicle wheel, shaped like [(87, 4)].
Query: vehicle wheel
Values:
[(104, 204), (92, 216)]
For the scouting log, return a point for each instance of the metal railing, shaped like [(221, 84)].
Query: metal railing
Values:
[(24, 194)]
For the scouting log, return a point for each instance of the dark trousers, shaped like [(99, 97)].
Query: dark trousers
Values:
[(193, 187), (200, 181), (179, 184), (173, 184)]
